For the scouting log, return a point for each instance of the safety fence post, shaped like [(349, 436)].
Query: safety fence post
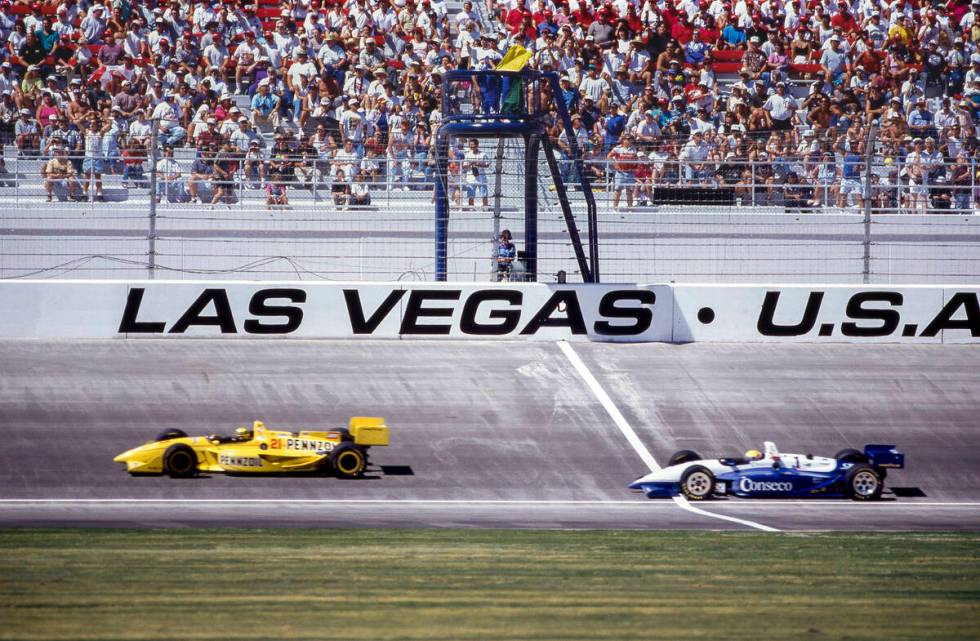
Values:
[(151, 263), (868, 198)]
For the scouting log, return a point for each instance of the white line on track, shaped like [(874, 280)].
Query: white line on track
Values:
[(642, 503), (635, 441)]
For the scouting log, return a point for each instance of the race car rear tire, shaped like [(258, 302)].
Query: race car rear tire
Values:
[(683, 456), (850, 455), (180, 461), (864, 483), (348, 461), (697, 483), (170, 434)]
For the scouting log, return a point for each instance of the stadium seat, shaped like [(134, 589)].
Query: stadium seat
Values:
[(726, 67), (727, 55)]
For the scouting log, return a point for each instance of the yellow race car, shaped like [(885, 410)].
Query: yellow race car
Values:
[(259, 450)]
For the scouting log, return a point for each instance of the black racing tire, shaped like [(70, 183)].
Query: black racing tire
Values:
[(683, 456), (864, 483), (180, 461), (850, 455), (344, 434), (697, 483), (348, 461), (170, 434)]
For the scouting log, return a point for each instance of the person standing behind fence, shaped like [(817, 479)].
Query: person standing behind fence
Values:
[(624, 159), (169, 184), (505, 255), (94, 159), (851, 178), (475, 165)]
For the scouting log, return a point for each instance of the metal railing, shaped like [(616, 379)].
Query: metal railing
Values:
[(769, 227), (784, 184)]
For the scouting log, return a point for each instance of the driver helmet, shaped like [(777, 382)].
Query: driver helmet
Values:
[(753, 455), (243, 433)]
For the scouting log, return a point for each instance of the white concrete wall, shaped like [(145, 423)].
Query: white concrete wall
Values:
[(531, 311)]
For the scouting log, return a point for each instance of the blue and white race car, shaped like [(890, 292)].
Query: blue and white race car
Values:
[(770, 474)]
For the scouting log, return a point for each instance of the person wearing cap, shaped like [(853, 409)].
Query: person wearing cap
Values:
[(781, 107), (593, 87), (834, 62), (921, 120), (253, 164), (93, 25), (353, 127), (331, 56), (734, 35), (7, 80), (63, 56), (168, 117), (170, 182), (27, 134), (244, 135), (900, 31), (59, 173), (755, 60), (264, 108), (246, 56), (63, 134), (693, 155)]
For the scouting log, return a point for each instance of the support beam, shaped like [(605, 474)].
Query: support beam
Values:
[(566, 210), (442, 205), (532, 144)]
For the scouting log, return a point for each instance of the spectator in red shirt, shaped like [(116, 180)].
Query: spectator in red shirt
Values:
[(844, 19), (682, 31), (516, 16)]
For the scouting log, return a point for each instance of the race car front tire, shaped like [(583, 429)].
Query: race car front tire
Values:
[(864, 483), (697, 483), (348, 461), (683, 456), (179, 461)]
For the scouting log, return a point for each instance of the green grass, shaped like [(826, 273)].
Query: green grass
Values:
[(488, 584)]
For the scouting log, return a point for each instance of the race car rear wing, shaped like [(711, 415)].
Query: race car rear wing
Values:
[(369, 430), (884, 456)]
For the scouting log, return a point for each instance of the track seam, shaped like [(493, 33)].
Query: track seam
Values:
[(634, 440)]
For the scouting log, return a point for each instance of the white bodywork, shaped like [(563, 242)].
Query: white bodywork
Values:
[(771, 456)]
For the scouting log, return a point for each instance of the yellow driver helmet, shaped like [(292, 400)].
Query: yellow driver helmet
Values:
[(753, 455), (243, 433)]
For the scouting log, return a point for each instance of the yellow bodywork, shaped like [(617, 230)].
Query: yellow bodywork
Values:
[(259, 450)]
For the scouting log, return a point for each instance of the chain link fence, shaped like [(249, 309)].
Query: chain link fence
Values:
[(367, 214)]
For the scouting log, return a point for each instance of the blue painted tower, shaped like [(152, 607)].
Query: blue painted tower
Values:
[(521, 105)]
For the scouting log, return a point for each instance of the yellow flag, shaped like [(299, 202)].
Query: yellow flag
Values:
[(516, 59)]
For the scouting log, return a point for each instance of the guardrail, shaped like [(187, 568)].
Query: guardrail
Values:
[(358, 179)]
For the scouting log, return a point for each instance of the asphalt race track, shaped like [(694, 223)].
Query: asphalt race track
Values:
[(484, 434)]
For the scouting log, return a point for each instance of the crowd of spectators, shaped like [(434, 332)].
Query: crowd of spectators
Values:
[(776, 99)]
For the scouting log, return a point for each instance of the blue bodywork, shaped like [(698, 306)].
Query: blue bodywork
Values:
[(781, 479)]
